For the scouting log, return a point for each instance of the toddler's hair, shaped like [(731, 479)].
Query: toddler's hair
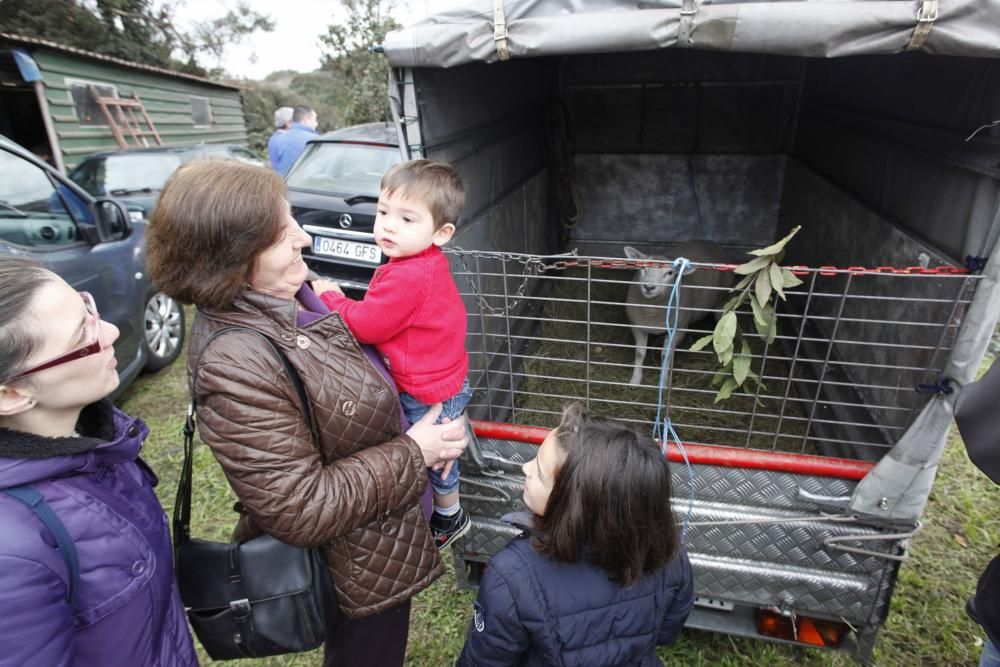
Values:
[(435, 184), (610, 501)]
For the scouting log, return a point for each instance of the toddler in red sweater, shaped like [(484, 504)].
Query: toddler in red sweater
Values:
[(413, 314)]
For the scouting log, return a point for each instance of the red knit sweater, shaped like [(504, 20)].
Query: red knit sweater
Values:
[(415, 318)]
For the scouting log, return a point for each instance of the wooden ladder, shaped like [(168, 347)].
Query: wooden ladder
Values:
[(129, 114)]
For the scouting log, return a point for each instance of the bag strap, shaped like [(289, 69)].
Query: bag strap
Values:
[(35, 502), (182, 505)]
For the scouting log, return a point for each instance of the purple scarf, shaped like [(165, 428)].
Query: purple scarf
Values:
[(313, 309)]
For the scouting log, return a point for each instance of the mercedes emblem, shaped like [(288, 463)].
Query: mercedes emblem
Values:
[(345, 220)]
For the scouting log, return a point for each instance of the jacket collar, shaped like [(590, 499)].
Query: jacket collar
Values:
[(107, 436), (256, 305), (523, 520), (432, 251)]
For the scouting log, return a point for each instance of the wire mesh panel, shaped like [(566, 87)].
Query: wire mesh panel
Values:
[(839, 379)]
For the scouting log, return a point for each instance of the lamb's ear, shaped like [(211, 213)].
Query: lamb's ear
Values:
[(632, 253)]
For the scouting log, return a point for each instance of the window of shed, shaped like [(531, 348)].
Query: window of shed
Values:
[(87, 110), (201, 111)]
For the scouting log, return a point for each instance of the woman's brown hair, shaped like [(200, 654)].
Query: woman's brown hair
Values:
[(213, 218), (610, 501)]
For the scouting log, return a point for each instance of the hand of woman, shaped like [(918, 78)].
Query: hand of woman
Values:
[(321, 285), (439, 442)]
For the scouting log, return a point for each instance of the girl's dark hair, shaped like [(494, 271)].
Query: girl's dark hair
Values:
[(610, 501), (20, 280)]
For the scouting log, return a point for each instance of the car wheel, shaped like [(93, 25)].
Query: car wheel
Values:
[(163, 330)]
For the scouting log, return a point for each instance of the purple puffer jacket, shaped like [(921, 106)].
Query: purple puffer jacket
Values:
[(128, 610)]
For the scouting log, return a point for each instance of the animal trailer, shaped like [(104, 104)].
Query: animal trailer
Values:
[(873, 126)]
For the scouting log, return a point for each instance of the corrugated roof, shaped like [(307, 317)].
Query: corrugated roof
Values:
[(55, 46)]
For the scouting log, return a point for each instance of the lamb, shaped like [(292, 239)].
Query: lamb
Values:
[(650, 289)]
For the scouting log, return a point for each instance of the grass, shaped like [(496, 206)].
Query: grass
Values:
[(926, 625)]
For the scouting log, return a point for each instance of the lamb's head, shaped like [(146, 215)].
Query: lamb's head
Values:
[(653, 280)]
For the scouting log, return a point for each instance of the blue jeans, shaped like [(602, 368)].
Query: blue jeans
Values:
[(452, 408), (990, 656)]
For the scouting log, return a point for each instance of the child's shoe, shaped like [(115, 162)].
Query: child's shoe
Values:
[(447, 529)]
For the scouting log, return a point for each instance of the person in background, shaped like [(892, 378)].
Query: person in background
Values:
[(289, 145), (282, 121), (979, 423), (66, 449), (597, 577), (352, 481)]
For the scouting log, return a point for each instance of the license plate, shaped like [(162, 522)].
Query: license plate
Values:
[(359, 252)]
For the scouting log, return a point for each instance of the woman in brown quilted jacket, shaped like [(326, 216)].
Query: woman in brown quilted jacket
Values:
[(222, 237)]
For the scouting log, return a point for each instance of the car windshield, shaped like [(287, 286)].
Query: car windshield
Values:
[(345, 169), (123, 174)]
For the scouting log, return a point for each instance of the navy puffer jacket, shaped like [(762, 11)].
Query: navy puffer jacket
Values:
[(533, 610)]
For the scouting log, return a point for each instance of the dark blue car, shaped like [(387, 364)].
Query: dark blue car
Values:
[(96, 246), (333, 188), (135, 176)]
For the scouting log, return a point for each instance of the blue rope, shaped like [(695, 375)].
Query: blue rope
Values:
[(976, 264), (663, 428), (942, 386)]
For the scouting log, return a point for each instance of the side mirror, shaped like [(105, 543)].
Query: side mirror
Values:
[(113, 221)]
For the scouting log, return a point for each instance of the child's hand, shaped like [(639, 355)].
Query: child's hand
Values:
[(321, 285)]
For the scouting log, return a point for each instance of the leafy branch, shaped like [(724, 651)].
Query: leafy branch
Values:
[(762, 279)]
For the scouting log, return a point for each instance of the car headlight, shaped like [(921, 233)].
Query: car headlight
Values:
[(135, 216)]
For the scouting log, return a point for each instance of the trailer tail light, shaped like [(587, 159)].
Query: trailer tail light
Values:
[(802, 629)]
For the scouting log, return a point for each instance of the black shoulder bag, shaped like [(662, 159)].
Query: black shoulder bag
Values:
[(256, 598)]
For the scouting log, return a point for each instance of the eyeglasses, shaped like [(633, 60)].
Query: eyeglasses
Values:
[(93, 346)]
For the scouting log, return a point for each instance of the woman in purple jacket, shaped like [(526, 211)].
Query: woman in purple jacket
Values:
[(598, 577), (86, 577)]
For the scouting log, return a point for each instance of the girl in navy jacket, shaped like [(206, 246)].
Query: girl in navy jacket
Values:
[(597, 578)]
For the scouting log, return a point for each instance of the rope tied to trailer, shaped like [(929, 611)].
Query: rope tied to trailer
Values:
[(663, 427), (942, 386), (976, 264)]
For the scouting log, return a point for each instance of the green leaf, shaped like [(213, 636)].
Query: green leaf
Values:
[(763, 287), (772, 327), (777, 280), (758, 313), (789, 279), (777, 247), (726, 356), (743, 283), (741, 364), (701, 343), (753, 265), (725, 331), (764, 325), (717, 378), (734, 303), (726, 390)]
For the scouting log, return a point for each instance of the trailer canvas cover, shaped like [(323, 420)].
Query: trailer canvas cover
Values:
[(535, 28), (455, 98)]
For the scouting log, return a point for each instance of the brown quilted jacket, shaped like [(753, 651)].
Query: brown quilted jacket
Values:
[(357, 491)]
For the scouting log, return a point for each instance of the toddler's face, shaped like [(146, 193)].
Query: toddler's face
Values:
[(540, 474), (405, 227)]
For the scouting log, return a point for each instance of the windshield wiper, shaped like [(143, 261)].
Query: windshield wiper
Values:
[(357, 199), (13, 209), (121, 192)]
